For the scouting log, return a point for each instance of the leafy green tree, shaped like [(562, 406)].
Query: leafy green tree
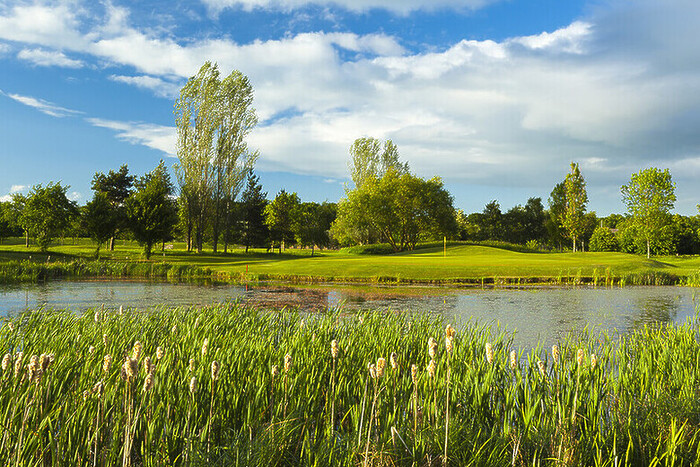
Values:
[(313, 223), (46, 212), (8, 225), (213, 118), (649, 197), (99, 219), (684, 229), (116, 187), (371, 159), (279, 217), (492, 221), (603, 240), (576, 200), (151, 209), (557, 208), (254, 232)]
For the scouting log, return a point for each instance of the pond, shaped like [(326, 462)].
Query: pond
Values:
[(536, 314)]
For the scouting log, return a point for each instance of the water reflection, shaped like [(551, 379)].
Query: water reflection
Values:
[(535, 315)]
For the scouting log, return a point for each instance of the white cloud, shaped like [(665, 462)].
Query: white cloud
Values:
[(159, 137), (43, 106), (17, 189), (160, 87), (569, 39), (40, 57), (397, 6)]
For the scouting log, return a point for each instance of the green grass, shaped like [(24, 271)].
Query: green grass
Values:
[(637, 405), (463, 263)]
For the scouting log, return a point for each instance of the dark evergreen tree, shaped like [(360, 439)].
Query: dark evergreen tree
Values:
[(253, 230)]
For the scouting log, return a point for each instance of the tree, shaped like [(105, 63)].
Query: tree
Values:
[(576, 200), (116, 187), (151, 209), (492, 221), (649, 197), (46, 212), (279, 217), (603, 240), (312, 224), (370, 160), (254, 232), (8, 224), (99, 219), (213, 118), (557, 208)]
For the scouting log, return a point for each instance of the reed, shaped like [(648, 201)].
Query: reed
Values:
[(592, 399)]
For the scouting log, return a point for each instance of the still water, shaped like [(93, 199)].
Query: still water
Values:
[(542, 315)]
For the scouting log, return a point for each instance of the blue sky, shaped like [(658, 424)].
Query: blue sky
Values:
[(494, 96)]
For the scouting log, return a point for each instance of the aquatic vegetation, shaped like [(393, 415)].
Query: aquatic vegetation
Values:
[(228, 385)]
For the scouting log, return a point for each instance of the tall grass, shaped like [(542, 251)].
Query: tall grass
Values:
[(277, 396)]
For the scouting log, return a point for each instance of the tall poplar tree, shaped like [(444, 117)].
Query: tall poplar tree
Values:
[(576, 201)]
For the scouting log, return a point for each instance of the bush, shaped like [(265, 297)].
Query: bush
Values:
[(603, 240)]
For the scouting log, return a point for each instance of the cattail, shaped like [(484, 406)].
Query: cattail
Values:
[(106, 363), (555, 353), (594, 361), (196, 322), (432, 347), (97, 316), (193, 385), (147, 365), (448, 344), (121, 310), (104, 339), (18, 363), (44, 362), (191, 368), (148, 382), (131, 368), (33, 369), (414, 373), (205, 347), (137, 350), (513, 360), (334, 349), (6, 361), (287, 363), (450, 331), (91, 350), (381, 365), (301, 324), (275, 371), (580, 355), (543, 369), (159, 353), (215, 370), (489, 353), (11, 326), (98, 389), (373, 371), (394, 361), (174, 329), (431, 368)]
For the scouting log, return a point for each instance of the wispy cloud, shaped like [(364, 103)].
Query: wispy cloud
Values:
[(160, 87), (41, 57), (159, 137), (43, 106), (396, 6), (17, 189)]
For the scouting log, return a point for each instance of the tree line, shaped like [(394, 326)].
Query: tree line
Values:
[(218, 200)]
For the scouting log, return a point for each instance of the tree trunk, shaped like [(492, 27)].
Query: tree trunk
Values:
[(312, 250), (26, 239), (574, 239), (111, 243), (648, 249)]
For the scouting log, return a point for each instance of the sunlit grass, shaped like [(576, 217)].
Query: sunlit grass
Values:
[(282, 393)]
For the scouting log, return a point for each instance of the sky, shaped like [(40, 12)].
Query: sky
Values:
[(496, 97)]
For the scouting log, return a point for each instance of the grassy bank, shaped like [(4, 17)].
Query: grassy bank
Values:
[(460, 264), (279, 394)]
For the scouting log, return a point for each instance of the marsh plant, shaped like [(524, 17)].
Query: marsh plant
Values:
[(236, 386)]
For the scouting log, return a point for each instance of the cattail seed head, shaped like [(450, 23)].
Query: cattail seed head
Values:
[(191, 367), (513, 360), (104, 339), (450, 331), (432, 347), (580, 355), (287, 363), (301, 324), (394, 361), (196, 321), (159, 353), (489, 353), (193, 385), (131, 368), (275, 370), (215, 370), (6, 361), (414, 373), (543, 369), (33, 369), (174, 329), (98, 389), (381, 365), (148, 382), (373, 371), (44, 362), (106, 363), (91, 349), (18, 363), (205, 347), (137, 350), (334, 348), (121, 310), (11, 326), (97, 316), (449, 344), (147, 365), (594, 361), (555, 353), (432, 367)]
